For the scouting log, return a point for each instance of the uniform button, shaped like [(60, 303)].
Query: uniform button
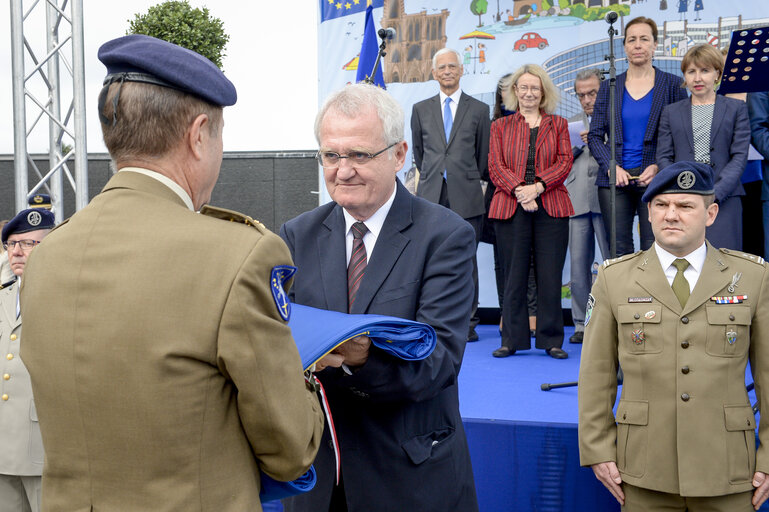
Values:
[(5, 398), (685, 320), (685, 397), (685, 370), (13, 337), (636, 316), (684, 344), (731, 317), (9, 357), (6, 376)]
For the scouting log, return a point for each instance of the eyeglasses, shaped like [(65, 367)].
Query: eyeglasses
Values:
[(332, 159), (25, 245), (525, 88), (588, 94)]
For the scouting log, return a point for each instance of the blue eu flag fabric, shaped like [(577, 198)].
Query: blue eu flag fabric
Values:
[(369, 51), (331, 9)]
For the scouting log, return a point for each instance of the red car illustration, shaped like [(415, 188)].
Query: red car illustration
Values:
[(530, 40)]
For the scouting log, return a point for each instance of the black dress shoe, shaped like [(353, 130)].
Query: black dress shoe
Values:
[(577, 337), (503, 352), (557, 353), (472, 335)]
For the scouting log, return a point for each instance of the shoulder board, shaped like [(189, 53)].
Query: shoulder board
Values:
[(626, 257), (6, 285), (746, 256), (231, 216)]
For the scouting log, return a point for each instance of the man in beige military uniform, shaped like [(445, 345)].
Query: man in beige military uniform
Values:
[(682, 319), (164, 372), (21, 448)]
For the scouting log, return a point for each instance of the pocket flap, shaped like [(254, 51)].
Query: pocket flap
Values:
[(639, 313), (728, 314), (633, 412), (419, 448), (739, 417)]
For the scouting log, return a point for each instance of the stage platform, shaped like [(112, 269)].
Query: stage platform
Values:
[(523, 441)]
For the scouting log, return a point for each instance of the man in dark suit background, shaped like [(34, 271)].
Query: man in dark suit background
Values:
[(450, 134), (397, 422)]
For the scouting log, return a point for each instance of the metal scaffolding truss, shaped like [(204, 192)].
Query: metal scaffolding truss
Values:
[(38, 89)]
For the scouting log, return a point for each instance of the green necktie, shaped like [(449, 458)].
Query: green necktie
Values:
[(680, 284)]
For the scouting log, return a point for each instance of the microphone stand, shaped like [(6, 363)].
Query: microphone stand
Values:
[(612, 142), (383, 35)]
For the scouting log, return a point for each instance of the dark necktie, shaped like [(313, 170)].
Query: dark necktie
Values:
[(680, 284), (357, 266)]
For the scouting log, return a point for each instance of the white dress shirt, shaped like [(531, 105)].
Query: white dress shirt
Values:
[(453, 105), (373, 223), (696, 260), (165, 180)]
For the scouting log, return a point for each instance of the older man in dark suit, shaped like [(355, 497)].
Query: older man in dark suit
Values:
[(450, 134), (378, 249)]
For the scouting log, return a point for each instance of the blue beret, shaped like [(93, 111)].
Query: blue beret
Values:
[(139, 58), (40, 201), (28, 220), (681, 178)]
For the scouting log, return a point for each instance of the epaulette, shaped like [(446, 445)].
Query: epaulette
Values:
[(231, 216), (746, 256), (612, 261), (6, 285)]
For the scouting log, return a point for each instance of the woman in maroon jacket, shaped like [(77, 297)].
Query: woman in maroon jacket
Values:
[(529, 159)]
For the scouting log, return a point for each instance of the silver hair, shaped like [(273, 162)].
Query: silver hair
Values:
[(354, 99), (587, 74), (444, 51)]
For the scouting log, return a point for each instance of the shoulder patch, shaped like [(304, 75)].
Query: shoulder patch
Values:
[(281, 274), (612, 261), (746, 256), (231, 216)]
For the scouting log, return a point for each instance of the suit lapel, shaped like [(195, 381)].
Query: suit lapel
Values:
[(654, 114), (389, 246), (436, 113), (462, 107), (544, 128), (713, 278), (719, 111), (686, 117), (9, 305), (653, 280), (332, 257), (619, 95)]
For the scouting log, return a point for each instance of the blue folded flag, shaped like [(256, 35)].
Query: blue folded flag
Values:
[(274, 490), (318, 331)]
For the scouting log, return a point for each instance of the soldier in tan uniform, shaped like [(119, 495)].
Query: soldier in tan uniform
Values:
[(164, 372), (21, 448), (682, 319)]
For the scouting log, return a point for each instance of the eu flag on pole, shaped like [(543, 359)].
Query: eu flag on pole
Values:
[(369, 51), (330, 9)]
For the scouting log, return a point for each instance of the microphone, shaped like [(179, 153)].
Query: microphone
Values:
[(386, 33), (611, 17)]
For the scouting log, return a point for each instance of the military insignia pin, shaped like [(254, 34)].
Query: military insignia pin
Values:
[(649, 315), (731, 337), (638, 336), (735, 279), (590, 304), (281, 274)]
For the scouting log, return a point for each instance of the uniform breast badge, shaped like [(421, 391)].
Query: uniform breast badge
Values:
[(735, 279), (731, 337), (733, 299), (638, 336), (650, 314)]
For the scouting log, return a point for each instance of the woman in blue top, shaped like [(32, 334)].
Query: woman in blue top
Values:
[(642, 92)]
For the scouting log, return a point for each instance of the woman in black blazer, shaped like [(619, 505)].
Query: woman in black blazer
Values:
[(712, 129)]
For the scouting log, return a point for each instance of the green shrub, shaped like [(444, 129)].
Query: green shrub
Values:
[(177, 22)]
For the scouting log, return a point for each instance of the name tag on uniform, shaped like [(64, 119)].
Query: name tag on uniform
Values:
[(639, 300), (732, 299)]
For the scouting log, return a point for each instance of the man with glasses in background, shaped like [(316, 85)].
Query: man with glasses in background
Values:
[(586, 225), (450, 135), (21, 447), (378, 249)]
